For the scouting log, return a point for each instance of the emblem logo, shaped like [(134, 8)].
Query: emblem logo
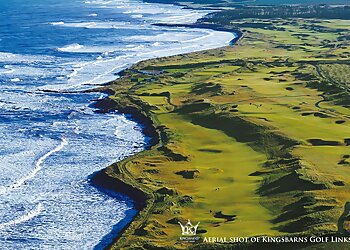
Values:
[(188, 229)]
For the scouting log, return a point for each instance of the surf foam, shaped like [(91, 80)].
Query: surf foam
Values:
[(27, 217)]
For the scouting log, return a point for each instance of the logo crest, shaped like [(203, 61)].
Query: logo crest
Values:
[(188, 229)]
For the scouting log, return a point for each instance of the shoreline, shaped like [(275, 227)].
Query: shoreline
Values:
[(215, 27), (128, 186), (105, 182)]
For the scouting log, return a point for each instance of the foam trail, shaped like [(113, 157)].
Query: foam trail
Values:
[(38, 165), (35, 212)]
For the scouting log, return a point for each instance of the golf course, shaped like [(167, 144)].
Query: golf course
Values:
[(249, 140)]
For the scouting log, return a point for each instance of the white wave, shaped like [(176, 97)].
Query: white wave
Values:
[(57, 23), (105, 75), (71, 48), (27, 217), (163, 37), (217, 39), (155, 12), (176, 18), (209, 34), (59, 124), (76, 68), (77, 48), (102, 25), (147, 9), (18, 58), (133, 48), (95, 72), (74, 25), (157, 44), (38, 167), (6, 70), (137, 16), (77, 130), (15, 80), (93, 14), (120, 129), (18, 71)]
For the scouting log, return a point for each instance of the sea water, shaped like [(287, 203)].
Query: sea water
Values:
[(51, 138)]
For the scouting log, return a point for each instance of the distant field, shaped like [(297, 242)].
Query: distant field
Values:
[(254, 138), (299, 2), (215, 4)]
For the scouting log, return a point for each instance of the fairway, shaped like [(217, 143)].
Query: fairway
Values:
[(224, 165)]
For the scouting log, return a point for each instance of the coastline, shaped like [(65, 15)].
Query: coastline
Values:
[(124, 182), (104, 181)]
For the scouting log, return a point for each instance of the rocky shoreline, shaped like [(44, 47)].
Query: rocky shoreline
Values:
[(106, 179)]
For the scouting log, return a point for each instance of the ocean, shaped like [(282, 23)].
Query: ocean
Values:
[(51, 139)]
